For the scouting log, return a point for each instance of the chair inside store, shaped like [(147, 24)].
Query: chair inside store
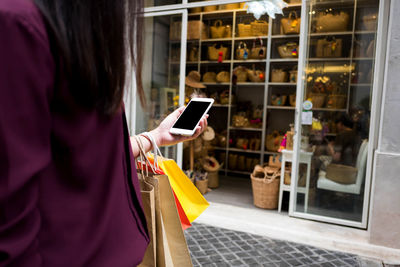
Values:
[(355, 188)]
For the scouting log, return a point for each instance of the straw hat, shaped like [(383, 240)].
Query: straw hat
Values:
[(193, 80)]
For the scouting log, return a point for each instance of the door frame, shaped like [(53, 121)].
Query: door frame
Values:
[(376, 107), (182, 72)]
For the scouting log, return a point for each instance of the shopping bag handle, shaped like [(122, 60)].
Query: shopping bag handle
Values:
[(143, 157), (156, 149)]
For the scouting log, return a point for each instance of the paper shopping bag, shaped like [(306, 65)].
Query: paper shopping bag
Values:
[(170, 243), (192, 201)]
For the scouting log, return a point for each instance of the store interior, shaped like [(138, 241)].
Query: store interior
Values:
[(249, 66)]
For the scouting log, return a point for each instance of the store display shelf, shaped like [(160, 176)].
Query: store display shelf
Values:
[(216, 12), (216, 84), (283, 60), (360, 84), (249, 61), (285, 36), (219, 148), (245, 129), (250, 84), (323, 34), (330, 109), (327, 59), (244, 150), (216, 40), (249, 38), (282, 84), (365, 32), (227, 61), (281, 107)]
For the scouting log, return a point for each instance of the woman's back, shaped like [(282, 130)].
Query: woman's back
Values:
[(66, 194)]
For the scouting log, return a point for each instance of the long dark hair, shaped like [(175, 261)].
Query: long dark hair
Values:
[(100, 44)]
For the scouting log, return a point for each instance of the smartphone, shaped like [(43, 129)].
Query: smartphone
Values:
[(190, 118)]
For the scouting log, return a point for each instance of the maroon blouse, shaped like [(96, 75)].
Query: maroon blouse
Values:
[(68, 194)]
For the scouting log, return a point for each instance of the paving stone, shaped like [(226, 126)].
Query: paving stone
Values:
[(212, 246)]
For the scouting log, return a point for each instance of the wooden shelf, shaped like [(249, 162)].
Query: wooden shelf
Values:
[(219, 148), (216, 40)]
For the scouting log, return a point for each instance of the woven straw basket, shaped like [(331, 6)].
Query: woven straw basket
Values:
[(265, 188), (202, 185), (244, 30)]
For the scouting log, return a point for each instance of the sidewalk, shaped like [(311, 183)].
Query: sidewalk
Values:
[(218, 247)]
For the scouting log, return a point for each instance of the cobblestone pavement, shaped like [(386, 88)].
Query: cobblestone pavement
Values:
[(212, 246)]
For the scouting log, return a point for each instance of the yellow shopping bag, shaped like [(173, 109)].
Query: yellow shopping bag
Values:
[(192, 201)]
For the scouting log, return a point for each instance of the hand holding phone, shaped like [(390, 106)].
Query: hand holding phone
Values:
[(190, 118)]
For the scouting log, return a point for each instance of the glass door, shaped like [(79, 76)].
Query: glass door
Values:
[(333, 138), (163, 65)]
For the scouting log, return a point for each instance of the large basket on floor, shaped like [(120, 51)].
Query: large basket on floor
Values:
[(213, 179), (266, 189)]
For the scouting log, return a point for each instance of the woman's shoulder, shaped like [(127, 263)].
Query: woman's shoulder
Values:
[(23, 13)]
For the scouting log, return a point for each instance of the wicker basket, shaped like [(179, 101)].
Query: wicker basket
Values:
[(196, 29), (220, 31), (242, 52), (278, 100), (213, 52), (291, 24), (244, 30), (202, 185), (258, 51), (336, 101), (289, 50), (195, 10), (223, 77), (292, 100), (273, 141), (342, 174), (332, 22), (241, 74), (266, 189), (209, 8), (255, 76), (209, 77), (318, 100), (278, 76), (213, 179), (293, 76), (259, 28), (229, 6)]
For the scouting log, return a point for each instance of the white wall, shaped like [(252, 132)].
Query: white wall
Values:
[(385, 210)]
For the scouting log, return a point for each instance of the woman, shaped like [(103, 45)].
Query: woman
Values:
[(69, 194)]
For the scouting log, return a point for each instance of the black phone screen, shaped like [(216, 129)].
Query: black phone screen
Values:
[(191, 115)]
